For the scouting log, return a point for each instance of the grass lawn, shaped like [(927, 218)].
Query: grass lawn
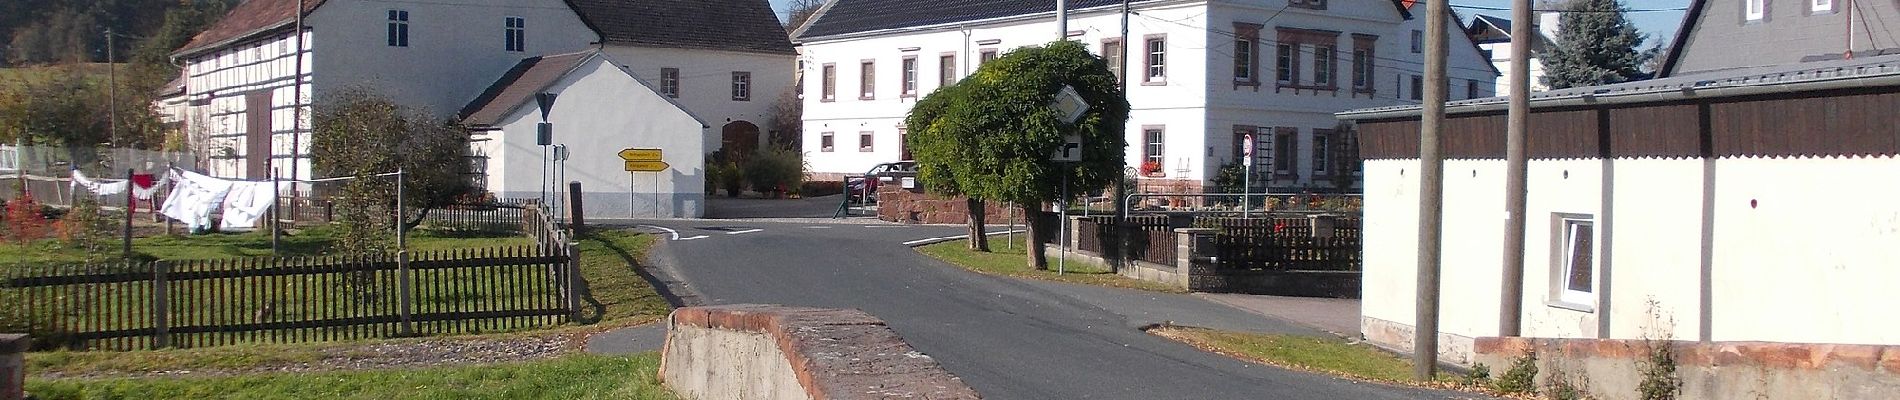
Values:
[(609, 262), (1009, 258), (578, 376), (301, 242), (1328, 355)]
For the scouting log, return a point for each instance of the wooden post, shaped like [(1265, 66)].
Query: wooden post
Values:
[(161, 305), (1431, 192), (404, 286), (13, 366), (574, 281), (131, 204)]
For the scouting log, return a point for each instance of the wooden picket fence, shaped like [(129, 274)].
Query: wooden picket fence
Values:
[(1288, 245), (204, 303)]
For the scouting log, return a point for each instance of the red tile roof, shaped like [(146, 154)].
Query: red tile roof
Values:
[(247, 19)]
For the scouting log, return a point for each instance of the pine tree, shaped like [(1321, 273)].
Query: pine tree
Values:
[(1596, 45)]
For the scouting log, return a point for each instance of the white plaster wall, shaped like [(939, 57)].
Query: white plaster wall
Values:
[(1657, 217), (1390, 239), (706, 83), (1178, 103), (602, 110), (1813, 260), (455, 50), (1501, 59), (218, 82)]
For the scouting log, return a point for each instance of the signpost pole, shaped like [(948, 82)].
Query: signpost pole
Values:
[(1063, 223), (1246, 179)]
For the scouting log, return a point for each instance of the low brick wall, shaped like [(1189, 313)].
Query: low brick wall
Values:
[(13, 349), (775, 352), (899, 205), (1612, 369)]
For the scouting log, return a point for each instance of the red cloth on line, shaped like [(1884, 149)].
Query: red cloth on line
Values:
[(144, 181)]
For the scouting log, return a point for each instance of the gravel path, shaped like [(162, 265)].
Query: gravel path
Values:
[(385, 355)]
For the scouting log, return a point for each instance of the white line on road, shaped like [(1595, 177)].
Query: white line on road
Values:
[(957, 237), (692, 238), (743, 232), (676, 234)]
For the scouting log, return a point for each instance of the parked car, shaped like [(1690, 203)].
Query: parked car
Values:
[(865, 190)]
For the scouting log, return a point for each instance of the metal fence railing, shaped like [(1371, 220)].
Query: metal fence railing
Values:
[(1240, 204)]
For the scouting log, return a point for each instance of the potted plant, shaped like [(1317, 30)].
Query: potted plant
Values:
[(1150, 167)]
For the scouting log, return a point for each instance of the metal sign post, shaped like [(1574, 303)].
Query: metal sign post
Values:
[(644, 160)]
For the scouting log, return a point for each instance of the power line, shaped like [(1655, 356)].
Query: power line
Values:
[(1234, 35)]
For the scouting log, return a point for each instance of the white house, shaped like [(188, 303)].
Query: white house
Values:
[(600, 107), (1493, 35), (1205, 73), (725, 60)]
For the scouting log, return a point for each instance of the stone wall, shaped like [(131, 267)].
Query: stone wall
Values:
[(13, 366), (775, 352), (896, 204), (1612, 369)]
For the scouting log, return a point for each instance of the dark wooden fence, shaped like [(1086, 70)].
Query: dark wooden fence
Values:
[(218, 302), (1145, 238), (1287, 244), (302, 207)]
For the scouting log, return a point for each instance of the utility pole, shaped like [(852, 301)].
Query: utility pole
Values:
[(1431, 193), (296, 94), (1121, 187), (1516, 169), (112, 90), (1062, 19)]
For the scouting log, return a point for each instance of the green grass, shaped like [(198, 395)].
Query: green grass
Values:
[(302, 242), (15, 76), (1319, 354), (1009, 258), (576, 376), (609, 262)]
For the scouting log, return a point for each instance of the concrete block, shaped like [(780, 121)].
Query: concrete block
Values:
[(13, 349), (754, 351)]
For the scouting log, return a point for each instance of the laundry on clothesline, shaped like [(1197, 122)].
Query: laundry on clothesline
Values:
[(249, 201), (194, 196), (99, 187)]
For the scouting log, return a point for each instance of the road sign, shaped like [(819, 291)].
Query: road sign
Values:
[(1071, 150), (646, 166), (640, 155), (1070, 104), (1246, 150)]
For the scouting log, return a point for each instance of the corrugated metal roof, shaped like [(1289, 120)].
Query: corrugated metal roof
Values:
[(1868, 67)]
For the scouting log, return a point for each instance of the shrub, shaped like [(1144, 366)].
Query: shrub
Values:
[(1521, 378), (87, 227), (821, 188), (1660, 381), (1480, 375), (26, 222), (775, 169)]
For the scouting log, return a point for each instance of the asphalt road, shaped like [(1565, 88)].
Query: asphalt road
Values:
[(1009, 339)]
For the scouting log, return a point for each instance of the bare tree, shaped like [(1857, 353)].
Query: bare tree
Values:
[(800, 11)]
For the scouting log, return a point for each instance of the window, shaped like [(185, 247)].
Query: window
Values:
[(1471, 89), (985, 56), (825, 142), (1288, 64), (1312, 4), (831, 83), (1418, 41), (1574, 272), (1321, 153), (1821, 6), (1157, 60), (1754, 10), (903, 144), (1283, 150), (1112, 53), (741, 86), (947, 70), (517, 34), (1362, 70), (865, 141), (910, 76), (398, 28), (798, 81), (1153, 152), (867, 80), (670, 82), (1323, 66), (1246, 56), (1418, 87)]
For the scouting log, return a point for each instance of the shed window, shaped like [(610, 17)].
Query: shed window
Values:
[(1575, 270), (398, 28)]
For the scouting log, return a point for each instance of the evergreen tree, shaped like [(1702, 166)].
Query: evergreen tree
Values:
[(1596, 45)]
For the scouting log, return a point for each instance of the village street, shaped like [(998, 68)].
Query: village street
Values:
[(1007, 338)]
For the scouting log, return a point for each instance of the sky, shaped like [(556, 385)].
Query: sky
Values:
[(1660, 26)]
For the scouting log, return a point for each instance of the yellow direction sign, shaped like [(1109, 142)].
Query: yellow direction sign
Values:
[(647, 166), (639, 155)]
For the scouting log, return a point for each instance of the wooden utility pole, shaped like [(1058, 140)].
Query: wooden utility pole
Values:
[(1516, 168), (1431, 193), (1062, 20)]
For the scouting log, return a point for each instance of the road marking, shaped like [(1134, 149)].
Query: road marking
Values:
[(676, 234), (957, 237), (743, 232), (818, 227), (885, 226), (692, 238)]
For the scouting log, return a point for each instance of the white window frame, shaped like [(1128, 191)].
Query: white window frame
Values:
[(1821, 6), (1754, 10), (1156, 59), (741, 86), (1244, 68), (1321, 154), (1325, 66), (826, 141), (867, 141), (1565, 229), (909, 70), (670, 82), (398, 35)]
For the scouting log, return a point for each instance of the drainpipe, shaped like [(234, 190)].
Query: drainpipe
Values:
[(1850, 31)]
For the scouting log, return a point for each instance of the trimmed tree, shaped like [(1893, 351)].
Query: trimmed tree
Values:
[(1596, 45), (359, 133), (991, 135)]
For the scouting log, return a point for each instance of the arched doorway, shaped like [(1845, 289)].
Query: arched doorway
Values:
[(739, 139)]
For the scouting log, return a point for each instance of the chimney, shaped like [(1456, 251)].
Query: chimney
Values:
[(1548, 23)]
